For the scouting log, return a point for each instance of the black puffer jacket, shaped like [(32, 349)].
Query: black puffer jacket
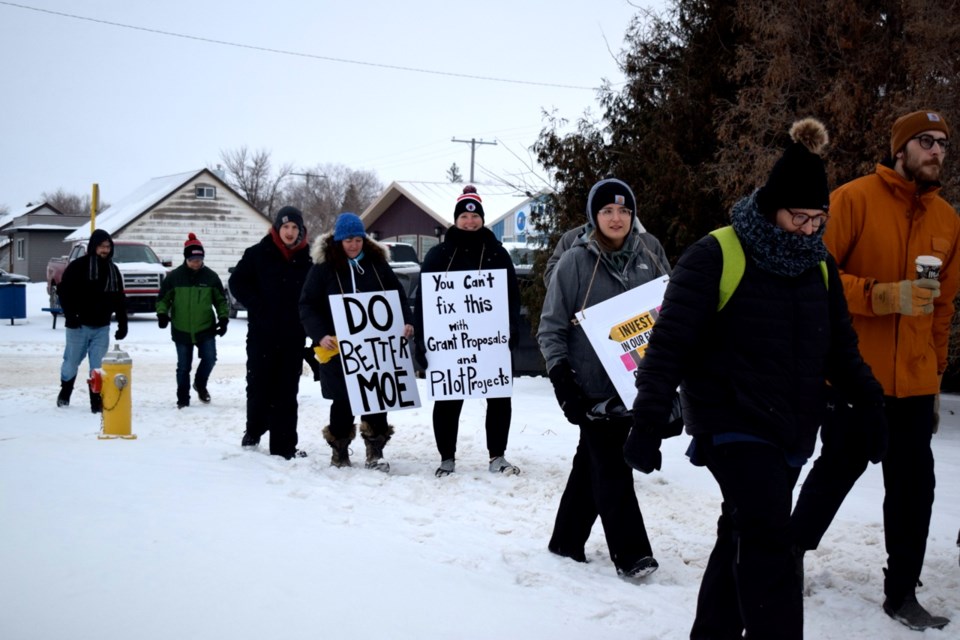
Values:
[(331, 275), (462, 251), (268, 281), (757, 366)]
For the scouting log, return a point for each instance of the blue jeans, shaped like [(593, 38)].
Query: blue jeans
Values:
[(82, 342), (207, 351)]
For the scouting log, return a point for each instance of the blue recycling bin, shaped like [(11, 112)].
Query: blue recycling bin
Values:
[(13, 301)]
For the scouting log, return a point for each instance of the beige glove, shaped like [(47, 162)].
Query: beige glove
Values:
[(907, 297)]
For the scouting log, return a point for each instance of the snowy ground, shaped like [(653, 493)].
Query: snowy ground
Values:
[(182, 534)]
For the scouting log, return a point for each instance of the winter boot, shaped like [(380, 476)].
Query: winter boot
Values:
[(913, 615), (96, 403), (201, 392), (499, 464), (183, 397), (249, 440), (375, 445), (640, 569), (66, 388), (341, 446), (446, 467)]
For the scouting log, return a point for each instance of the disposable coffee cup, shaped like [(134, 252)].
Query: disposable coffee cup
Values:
[(928, 267)]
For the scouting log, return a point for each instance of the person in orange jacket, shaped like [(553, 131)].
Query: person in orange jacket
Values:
[(879, 225)]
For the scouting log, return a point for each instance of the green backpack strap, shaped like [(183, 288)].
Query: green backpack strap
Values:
[(735, 262)]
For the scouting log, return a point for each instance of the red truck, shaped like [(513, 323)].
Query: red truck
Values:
[(140, 267)]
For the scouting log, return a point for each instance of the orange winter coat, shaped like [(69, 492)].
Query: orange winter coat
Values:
[(878, 225)]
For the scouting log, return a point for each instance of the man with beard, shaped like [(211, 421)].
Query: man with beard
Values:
[(879, 224)]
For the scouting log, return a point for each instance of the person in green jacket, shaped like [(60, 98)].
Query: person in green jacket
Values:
[(188, 298)]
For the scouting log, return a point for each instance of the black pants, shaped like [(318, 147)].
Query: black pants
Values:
[(750, 582), (273, 382), (601, 484), (908, 478), (446, 426), (341, 418)]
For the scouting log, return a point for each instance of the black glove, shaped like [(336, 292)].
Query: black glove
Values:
[(121, 332), (163, 320), (569, 394), (642, 450), (222, 326)]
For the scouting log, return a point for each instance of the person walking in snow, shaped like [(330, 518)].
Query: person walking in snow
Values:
[(752, 370), (347, 261), (470, 246), (880, 224), (189, 296), (613, 257), (91, 292), (268, 281)]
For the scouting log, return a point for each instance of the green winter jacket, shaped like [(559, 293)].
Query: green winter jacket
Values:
[(189, 297)]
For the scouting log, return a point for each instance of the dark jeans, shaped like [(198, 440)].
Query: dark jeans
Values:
[(908, 478), (273, 382), (207, 352), (601, 484), (750, 582), (446, 425)]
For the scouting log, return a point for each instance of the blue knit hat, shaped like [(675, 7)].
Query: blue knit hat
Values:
[(348, 225)]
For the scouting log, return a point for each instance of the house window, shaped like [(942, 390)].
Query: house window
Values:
[(205, 192), (21, 249)]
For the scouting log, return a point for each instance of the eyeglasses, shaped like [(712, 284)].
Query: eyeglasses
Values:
[(817, 220), (926, 142)]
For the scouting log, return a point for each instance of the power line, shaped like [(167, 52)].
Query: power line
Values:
[(297, 53)]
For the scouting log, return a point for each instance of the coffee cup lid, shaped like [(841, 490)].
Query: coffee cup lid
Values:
[(929, 261)]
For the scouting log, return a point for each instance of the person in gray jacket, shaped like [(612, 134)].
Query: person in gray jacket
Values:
[(611, 258)]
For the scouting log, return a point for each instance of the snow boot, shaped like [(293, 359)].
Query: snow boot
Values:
[(911, 614), (96, 403), (341, 446), (446, 467), (499, 464), (201, 392), (249, 440), (183, 397), (66, 388), (375, 445), (640, 569)]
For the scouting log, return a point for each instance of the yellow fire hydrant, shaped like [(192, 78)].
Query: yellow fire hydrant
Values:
[(116, 393)]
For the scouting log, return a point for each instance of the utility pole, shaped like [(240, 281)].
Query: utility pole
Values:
[(473, 142)]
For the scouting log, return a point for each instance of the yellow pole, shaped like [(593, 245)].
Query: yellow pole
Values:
[(94, 205)]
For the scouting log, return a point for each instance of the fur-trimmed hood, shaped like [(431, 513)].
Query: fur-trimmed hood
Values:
[(326, 249)]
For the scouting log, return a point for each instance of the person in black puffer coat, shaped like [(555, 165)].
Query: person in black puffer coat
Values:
[(268, 281), (753, 380), (347, 261), (469, 245)]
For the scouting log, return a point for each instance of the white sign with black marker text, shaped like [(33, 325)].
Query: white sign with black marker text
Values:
[(377, 359), (466, 327)]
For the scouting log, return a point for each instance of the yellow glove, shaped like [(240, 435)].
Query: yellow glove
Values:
[(907, 297), (324, 355)]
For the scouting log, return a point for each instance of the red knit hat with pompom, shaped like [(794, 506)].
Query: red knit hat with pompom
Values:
[(192, 248)]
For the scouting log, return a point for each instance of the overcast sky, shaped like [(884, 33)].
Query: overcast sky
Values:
[(85, 101)]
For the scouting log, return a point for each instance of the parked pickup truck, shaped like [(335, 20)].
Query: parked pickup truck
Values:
[(140, 267)]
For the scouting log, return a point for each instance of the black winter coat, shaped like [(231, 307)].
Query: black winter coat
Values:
[(330, 275), (758, 366), (462, 251), (89, 296), (268, 282)]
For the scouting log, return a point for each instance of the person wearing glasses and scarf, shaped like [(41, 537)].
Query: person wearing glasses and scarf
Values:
[(880, 224), (753, 379), (612, 257), (470, 246), (347, 261)]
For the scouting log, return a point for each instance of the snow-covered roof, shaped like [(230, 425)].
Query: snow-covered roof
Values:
[(138, 202), (438, 199), (7, 218)]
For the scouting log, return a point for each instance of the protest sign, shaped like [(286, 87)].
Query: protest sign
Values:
[(377, 360), (466, 327), (619, 329)]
